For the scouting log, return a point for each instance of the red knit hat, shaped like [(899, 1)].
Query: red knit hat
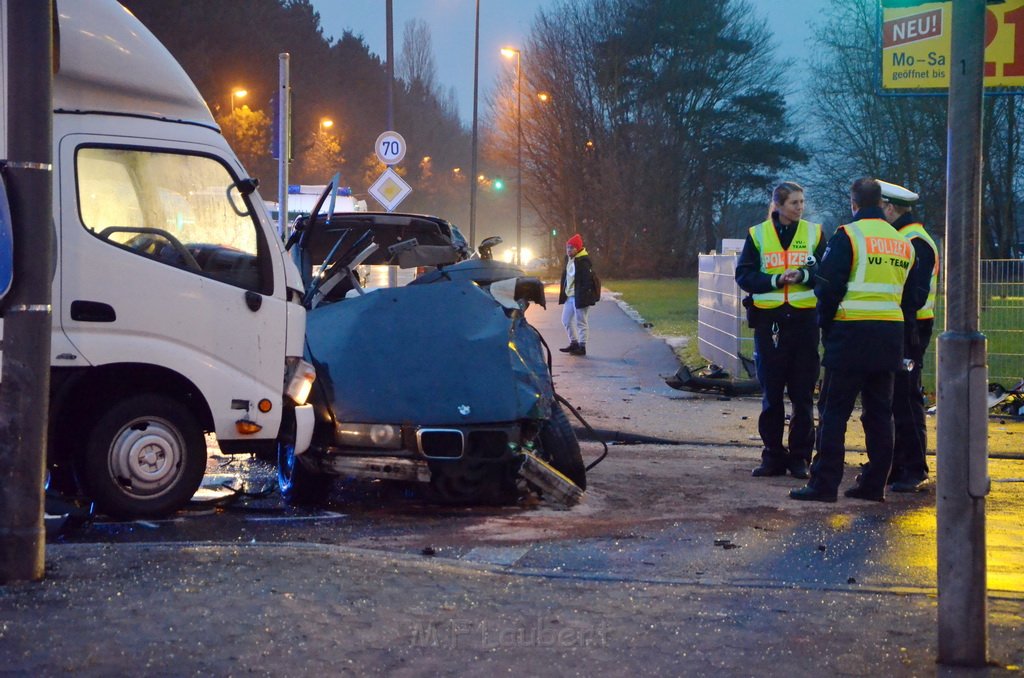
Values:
[(576, 241)]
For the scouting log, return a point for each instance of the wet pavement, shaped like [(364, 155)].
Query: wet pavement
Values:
[(677, 562)]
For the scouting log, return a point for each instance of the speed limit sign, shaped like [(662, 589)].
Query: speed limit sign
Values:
[(390, 148)]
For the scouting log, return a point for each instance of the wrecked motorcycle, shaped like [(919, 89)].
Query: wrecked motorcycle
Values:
[(440, 380)]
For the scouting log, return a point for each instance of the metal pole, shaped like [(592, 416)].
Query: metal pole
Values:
[(25, 385), (284, 150), (519, 160), (390, 20), (472, 176), (962, 375)]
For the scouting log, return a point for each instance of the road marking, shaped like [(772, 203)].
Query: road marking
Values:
[(496, 555), (327, 515)]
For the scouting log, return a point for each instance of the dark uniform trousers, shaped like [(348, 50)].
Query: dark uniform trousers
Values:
[(793, 365), (908, 412), (839, 391)]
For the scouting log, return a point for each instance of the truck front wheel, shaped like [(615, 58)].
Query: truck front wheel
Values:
[(144, 458), (298, 484)]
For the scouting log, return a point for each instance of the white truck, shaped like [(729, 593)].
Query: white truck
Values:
[(175, 309)]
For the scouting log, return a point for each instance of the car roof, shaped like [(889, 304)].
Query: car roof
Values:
[(388, 228)]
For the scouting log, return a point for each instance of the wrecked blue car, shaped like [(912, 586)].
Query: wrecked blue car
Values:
[(440, 380)]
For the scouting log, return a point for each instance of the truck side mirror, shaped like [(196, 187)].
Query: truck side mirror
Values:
[(6, 242), (245, 187)]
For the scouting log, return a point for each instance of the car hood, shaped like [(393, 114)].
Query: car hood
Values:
[(432, 355)]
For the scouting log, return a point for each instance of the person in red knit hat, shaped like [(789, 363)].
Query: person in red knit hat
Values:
[(578, 291)]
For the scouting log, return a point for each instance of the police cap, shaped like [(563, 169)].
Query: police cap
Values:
[(897, 194)]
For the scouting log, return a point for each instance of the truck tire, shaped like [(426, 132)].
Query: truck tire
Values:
[(298, 485), (144, 458), (560, 448)]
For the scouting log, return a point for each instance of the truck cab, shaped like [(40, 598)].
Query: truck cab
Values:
[(175, 310)]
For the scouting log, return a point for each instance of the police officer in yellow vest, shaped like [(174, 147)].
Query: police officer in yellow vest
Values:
[(909, 467), (776, 268), (861, 300)]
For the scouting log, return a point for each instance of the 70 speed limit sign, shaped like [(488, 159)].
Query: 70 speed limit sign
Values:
[(390, 148)]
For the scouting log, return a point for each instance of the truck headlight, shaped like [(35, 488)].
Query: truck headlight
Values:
[(298, 379)]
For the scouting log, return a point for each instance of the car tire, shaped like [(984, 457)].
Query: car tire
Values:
[(298, 484), (560, 448), (144, 458)]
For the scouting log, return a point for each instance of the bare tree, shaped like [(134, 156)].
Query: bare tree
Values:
[(860, 132), (1002, 178), (660, 114), (416, 62)]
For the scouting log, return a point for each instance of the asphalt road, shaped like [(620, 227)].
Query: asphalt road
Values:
[(677, 561), (683, 512)]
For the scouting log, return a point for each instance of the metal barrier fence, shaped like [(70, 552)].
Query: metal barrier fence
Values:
[(1002, 322), (724, 338), (722, 334)]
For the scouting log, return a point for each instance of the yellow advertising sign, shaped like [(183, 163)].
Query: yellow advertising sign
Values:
[(916, 45)]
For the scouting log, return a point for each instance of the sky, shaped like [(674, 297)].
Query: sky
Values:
[(507, 23)]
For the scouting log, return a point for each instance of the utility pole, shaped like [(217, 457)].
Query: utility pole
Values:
[(25, 378), (962, 379), (472, 176), (390, 21), (284, 140), (519, 158)]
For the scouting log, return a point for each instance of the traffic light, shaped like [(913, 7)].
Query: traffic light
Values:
[(554, 232), (499, 184)]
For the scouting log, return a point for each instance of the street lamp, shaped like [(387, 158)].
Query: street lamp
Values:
[(326, 123), (544, 97), (236, 93), (508, 53)]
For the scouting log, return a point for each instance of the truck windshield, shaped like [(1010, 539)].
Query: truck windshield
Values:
[(171, 207)]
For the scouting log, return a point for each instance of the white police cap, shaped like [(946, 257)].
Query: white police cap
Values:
[(897, 195)]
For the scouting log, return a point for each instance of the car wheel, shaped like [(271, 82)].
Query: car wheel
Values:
[(144, 458), (560, 448), (298, 484)]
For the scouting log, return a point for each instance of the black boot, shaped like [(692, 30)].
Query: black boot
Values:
[(571, 348), (581, 349)]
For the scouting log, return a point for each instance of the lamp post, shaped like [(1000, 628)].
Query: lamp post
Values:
[(236, 93), (508, 53)]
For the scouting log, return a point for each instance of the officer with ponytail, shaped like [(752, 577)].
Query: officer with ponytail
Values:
[(776, 268)]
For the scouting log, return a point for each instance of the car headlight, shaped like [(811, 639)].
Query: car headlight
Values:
[(298, 379), (368, 435)]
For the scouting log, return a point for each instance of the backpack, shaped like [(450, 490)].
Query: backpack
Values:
[(597, 287)]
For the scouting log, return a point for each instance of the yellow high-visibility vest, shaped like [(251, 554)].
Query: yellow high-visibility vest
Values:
[(881, 263), (916, 230), (776, 260)]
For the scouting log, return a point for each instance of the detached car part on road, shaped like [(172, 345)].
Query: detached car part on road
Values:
[(441, 380)]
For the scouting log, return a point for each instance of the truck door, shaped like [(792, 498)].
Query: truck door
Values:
[(163, 263)]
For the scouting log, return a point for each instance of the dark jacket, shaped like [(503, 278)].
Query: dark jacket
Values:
[(864, 345), (920, 275), (753, 280), (585, 287)]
